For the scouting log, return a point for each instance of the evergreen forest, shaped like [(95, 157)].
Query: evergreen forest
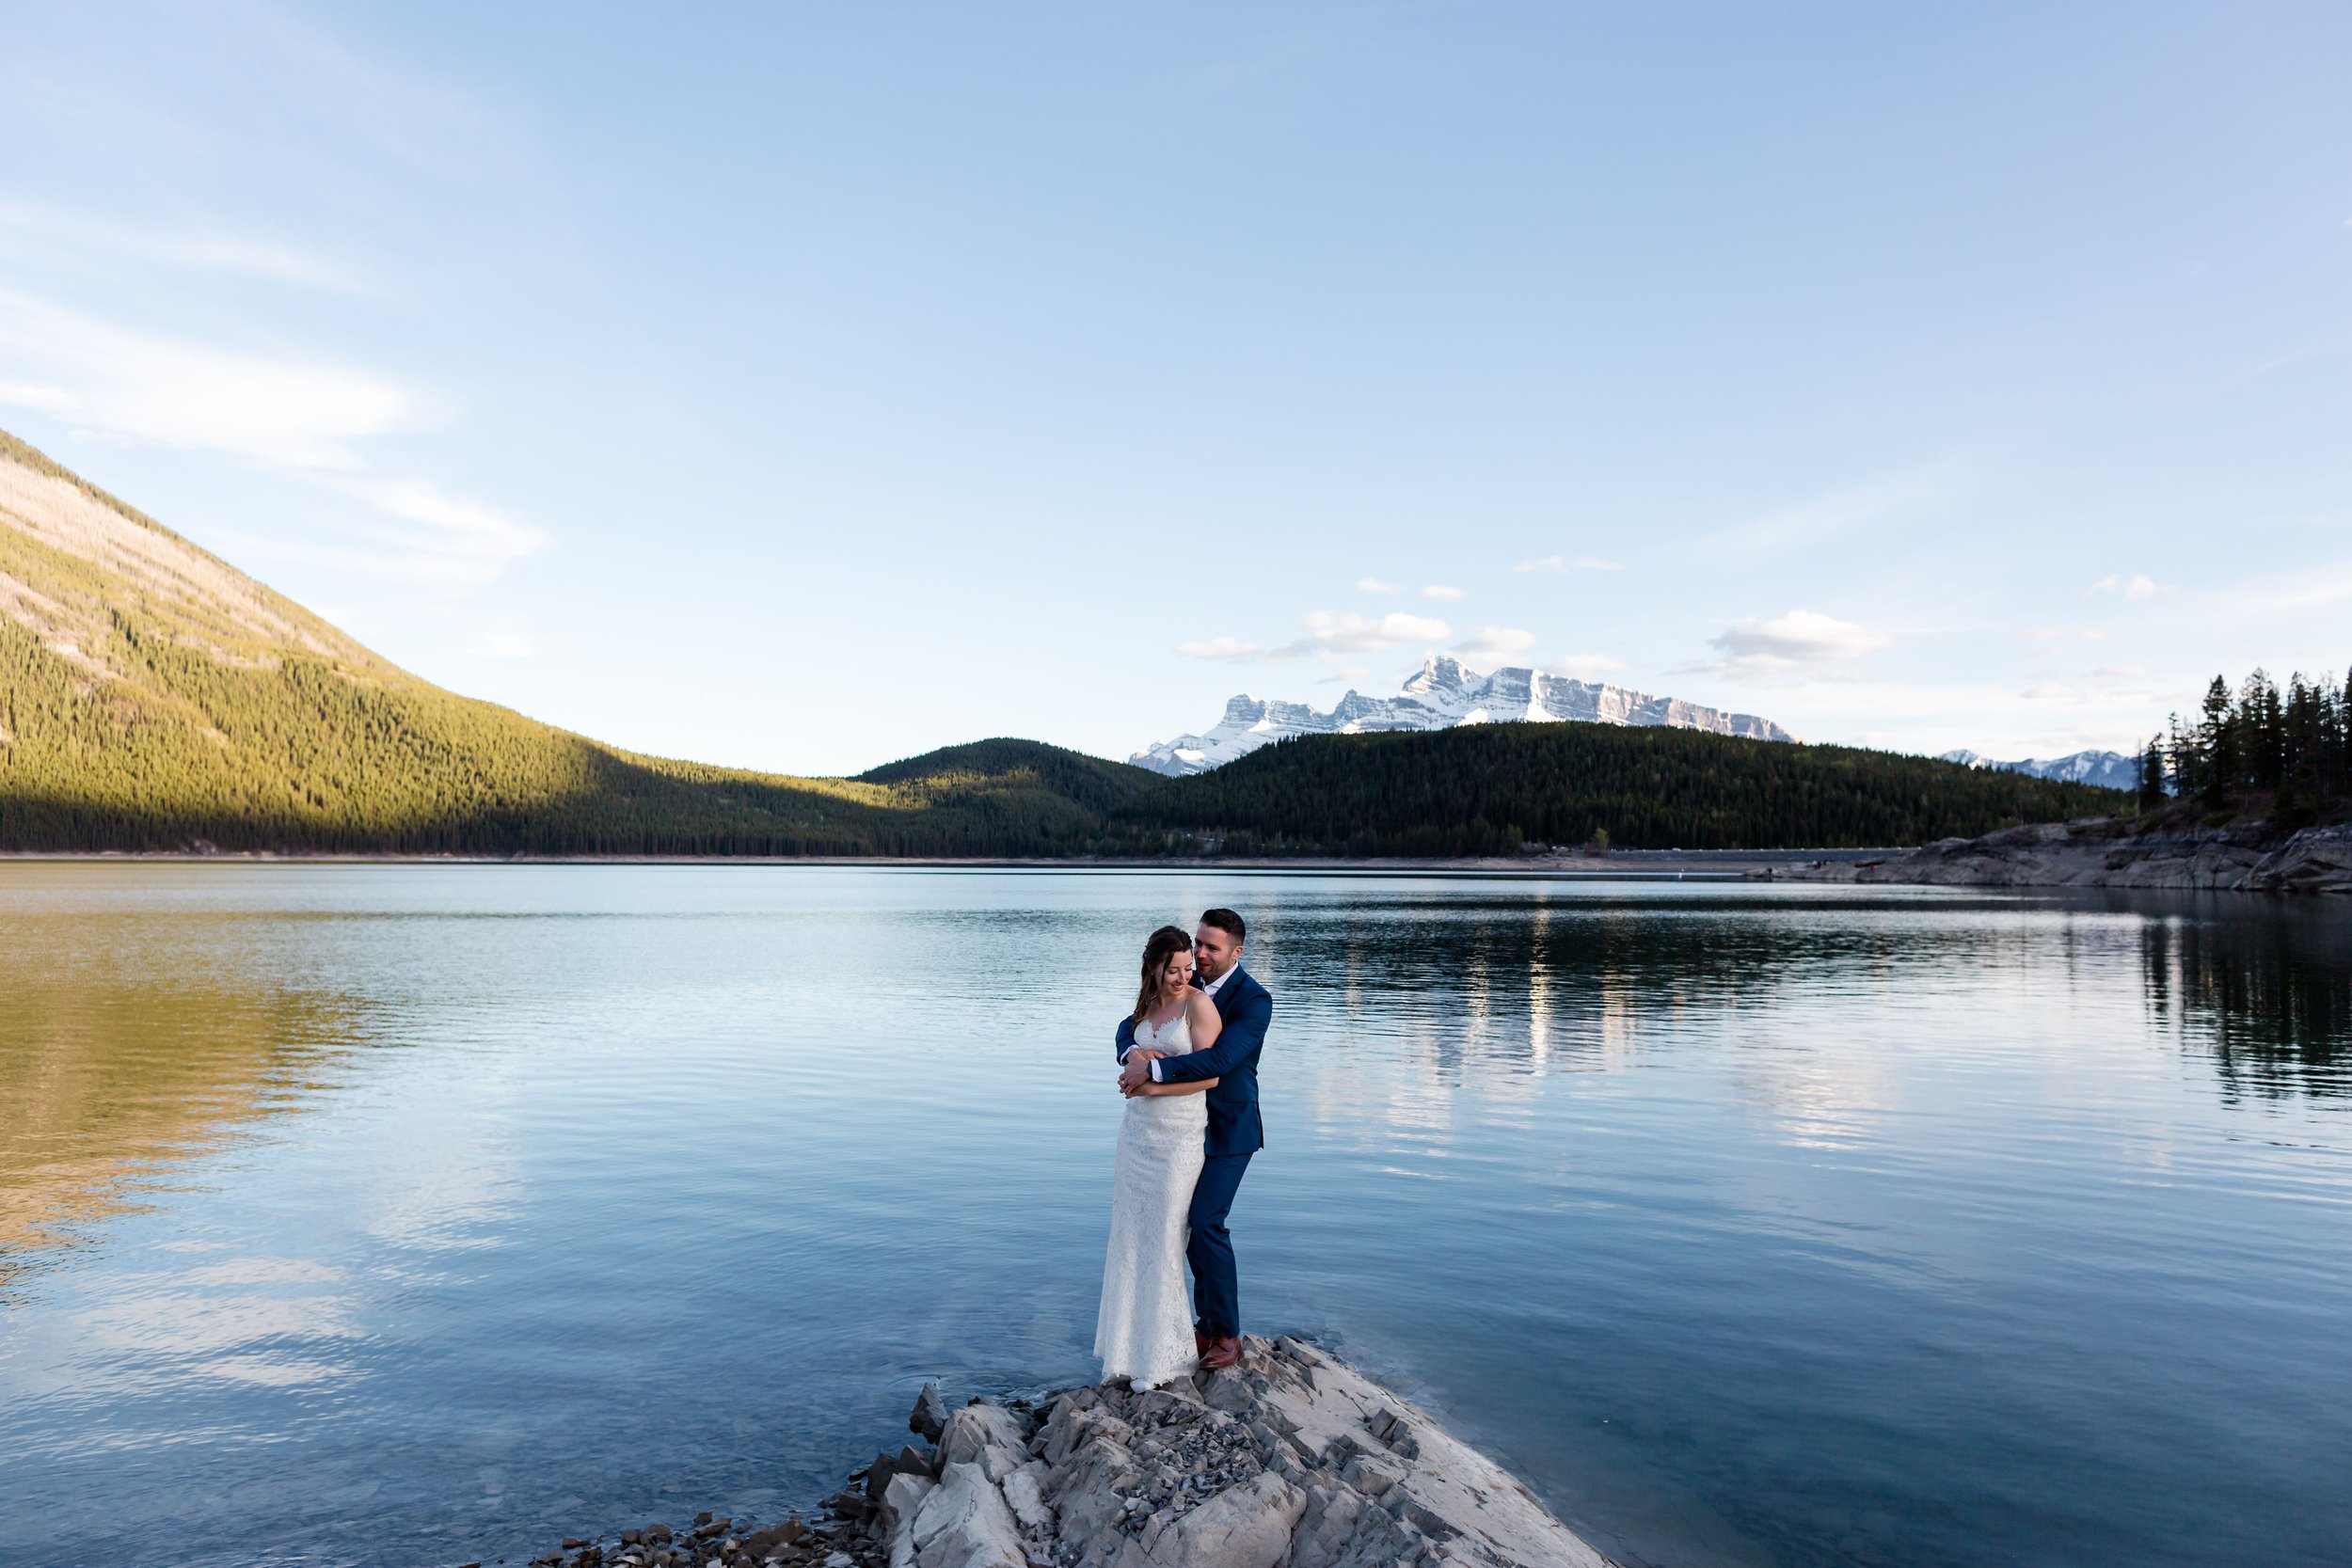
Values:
[(1486, 789), (2285, 755)]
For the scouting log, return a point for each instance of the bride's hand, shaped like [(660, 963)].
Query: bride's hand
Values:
[(1136, 1070)]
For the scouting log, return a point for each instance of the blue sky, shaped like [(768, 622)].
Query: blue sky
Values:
[(804, 386)]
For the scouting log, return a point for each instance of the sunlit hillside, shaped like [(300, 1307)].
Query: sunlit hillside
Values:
[(152, 695)]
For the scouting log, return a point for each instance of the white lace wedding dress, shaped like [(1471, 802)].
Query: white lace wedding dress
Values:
[(1144, 1330)]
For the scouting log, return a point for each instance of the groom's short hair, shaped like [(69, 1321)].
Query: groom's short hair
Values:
[(1227, 921)]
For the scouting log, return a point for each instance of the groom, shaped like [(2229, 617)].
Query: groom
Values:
[(1234, 1131)]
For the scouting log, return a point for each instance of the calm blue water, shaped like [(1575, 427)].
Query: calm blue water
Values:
[(412, 1214)]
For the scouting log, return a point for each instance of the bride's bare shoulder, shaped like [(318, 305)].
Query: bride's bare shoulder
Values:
[(1200, 1009)]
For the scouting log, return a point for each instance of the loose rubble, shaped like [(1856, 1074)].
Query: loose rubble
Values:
[(846, 1541), (1291, 1460)]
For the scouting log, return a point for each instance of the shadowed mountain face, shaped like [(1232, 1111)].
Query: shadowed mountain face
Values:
[(152, 695)]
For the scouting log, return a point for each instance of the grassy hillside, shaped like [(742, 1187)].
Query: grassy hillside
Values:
[(1482, 789), (150, 694)]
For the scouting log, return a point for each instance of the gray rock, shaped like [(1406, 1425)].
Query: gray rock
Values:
[(930, 1413), (2244, 857), (1025, 1493), (902, 1497), (1090, 1491), (963, 1523), (978, 1426), (1294, 1460), (1246, 1528), (1230, 1391), (1371, 1476)]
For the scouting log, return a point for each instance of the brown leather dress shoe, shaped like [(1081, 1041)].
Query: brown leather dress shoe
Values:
[(1223, 1353), (1200, 1343)]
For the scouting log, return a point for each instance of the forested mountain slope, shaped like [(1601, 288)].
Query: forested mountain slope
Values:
[(1483, 790), (152, 695)]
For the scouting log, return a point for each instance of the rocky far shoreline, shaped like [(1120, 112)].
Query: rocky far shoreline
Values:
[(2110, 853), (1291, 1460)]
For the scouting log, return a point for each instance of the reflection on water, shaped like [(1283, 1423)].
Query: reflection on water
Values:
[(2267, 992), (423, 1213), (113, 1071)]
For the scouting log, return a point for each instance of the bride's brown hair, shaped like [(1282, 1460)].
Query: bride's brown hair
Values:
[(1165, 943)]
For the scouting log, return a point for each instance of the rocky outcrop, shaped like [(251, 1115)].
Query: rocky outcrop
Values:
[(1291, 1460), (2105, 852)]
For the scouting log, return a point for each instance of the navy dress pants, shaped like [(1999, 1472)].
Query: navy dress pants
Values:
[(1216, 1293)]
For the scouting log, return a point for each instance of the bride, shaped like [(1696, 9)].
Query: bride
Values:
[(1144, 1332)]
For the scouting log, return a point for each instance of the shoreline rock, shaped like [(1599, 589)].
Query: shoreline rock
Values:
[(2108, 852), (1293, 1458)]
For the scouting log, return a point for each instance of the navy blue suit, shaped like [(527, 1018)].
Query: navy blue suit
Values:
[(1236, 1130)]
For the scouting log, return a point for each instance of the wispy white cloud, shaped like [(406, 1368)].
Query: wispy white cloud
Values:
[(1584, 667), (453, 524), (1803, 640), (1373, 585), (49, 400), (2314, 586), (1563, 564), (1891, 498), (377, 560), (283, 411), (307, 419), (1439, 591), (198, 249), (507, 643), (1491, 645), (1220, 647), (2134, 585), (1329, 635)]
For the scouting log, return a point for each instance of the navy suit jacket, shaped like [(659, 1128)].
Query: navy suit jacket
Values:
[(1247, 1007)]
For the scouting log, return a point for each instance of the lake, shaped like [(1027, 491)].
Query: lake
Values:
[(419, 1213)]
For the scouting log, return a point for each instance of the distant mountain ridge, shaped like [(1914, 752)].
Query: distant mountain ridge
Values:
[(2107, 769), (1444, 692)]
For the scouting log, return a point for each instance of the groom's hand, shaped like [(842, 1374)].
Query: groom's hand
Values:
[(1136, 1070)]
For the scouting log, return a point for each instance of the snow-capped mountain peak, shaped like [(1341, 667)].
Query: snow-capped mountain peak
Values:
[(2109, 770), (1443, 692)]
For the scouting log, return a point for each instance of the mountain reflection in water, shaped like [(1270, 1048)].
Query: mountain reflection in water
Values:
[(118, 1068)]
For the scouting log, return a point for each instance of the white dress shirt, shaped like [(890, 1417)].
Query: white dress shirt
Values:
[(1208, 991)]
